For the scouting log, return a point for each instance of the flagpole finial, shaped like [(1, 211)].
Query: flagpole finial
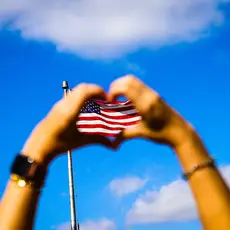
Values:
[(65, 85)]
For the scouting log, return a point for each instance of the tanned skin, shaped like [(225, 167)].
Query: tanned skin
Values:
[(160, 123)]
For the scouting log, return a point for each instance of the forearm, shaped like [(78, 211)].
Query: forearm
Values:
[(18, 207), (209, 189), (19, 203)]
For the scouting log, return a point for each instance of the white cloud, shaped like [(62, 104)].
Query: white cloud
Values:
[(64, 226), (225, 171), (103, 224), (109, 29), (173, 202), (124, 186)]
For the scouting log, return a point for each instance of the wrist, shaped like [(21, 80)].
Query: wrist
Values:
[(191, 150), (40, 156), (27, 172), (190, 138)]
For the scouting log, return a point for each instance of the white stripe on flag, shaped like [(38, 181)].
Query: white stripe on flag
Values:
[(123, 113), (98, 130), (137, 118)]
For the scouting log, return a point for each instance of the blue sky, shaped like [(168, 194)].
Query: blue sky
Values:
[(191, 74)]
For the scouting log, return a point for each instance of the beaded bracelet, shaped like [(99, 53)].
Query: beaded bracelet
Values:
[(208, 163)]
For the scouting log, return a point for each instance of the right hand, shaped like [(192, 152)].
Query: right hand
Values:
[(160, 123)]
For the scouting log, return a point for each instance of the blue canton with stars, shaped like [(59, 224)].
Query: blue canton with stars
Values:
[(91, 107)]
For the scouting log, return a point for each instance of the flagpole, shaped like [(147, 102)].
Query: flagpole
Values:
[(66, 89)]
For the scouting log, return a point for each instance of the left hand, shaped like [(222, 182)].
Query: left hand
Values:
[(57, 132)]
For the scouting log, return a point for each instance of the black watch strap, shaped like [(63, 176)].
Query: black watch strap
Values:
[(28, 170)]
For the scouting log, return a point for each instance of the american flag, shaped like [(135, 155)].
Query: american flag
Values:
[(107, 119)]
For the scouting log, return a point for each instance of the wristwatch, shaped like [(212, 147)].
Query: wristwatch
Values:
[(26, 172)]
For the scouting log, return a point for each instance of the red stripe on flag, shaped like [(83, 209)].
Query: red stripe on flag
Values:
[(95, 118), (119, 115)]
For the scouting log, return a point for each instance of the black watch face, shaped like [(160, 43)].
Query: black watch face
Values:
[(20, 166)]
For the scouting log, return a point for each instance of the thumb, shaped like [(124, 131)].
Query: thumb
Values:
[(98, 139), (126, 134)]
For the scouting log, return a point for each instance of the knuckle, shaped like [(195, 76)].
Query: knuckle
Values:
[(59, 108), (129, 82), (57, 105), (147, 108), (83, 90), (130, 79), (152, 102), (83, 87), (156, 98)]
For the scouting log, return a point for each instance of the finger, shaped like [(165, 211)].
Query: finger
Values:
[(72, 104), (82, 93), (128, 133), (98, 139), (118, 140), (126, 86), (135, 90)]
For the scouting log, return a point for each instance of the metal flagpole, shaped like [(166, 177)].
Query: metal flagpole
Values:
[(66, 89)]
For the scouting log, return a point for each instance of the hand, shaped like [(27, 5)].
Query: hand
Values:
[(160, 123), (57, 132)]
